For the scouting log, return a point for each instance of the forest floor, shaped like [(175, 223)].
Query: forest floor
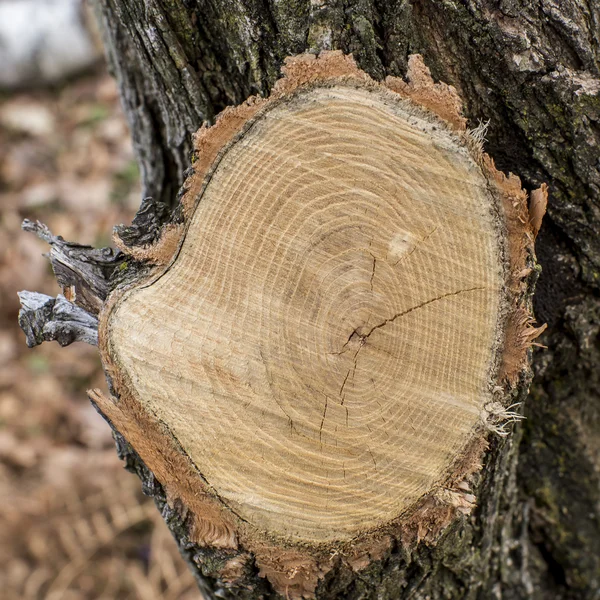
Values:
[(74, 524)]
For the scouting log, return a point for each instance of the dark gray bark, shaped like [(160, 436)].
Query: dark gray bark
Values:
[(82, 271), (532, 68), (46, 319)]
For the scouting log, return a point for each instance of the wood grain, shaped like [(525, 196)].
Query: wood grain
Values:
[(323, 344)]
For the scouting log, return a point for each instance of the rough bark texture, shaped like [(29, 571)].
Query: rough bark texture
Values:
[(87, 269), (532, 69), (46, 319)]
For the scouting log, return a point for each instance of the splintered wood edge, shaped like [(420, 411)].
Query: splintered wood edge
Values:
[(294, 568)]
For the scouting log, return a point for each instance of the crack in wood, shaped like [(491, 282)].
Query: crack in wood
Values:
[(323, 420), (373, 271), (364, 336), (413, 308), (270, 383)]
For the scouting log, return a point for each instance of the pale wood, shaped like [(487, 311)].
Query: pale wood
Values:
[(325, 341)]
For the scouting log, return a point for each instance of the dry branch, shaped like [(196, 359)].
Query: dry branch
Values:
[(45, 319)]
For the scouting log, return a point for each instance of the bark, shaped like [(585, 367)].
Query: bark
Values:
[(533, 70), (46, 319)]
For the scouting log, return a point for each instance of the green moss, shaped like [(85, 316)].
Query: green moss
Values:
[(292, 20), (181, 22)]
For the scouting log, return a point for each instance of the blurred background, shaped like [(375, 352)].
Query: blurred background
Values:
[(73, 523)]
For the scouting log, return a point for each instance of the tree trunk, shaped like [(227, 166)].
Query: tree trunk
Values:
[(532, 70)]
